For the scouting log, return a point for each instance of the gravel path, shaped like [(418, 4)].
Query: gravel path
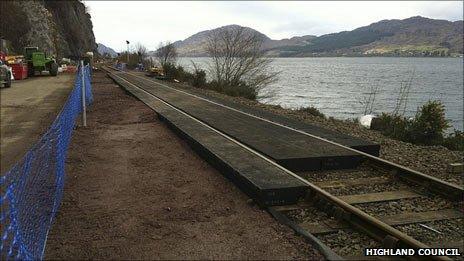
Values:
[(28, 109)]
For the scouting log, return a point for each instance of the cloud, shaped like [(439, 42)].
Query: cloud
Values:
[(151, 22), (446, 10)]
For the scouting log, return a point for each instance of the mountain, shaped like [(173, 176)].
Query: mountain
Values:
[(415, 36), (195, 44), (62, 28), (103, 49)]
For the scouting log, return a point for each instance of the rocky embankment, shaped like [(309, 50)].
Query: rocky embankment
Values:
[(62, 28)]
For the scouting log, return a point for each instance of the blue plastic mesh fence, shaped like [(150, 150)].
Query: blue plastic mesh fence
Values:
[(31, 190)]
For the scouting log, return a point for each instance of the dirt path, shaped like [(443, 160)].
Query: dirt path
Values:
[(28, 108), (134, 190)]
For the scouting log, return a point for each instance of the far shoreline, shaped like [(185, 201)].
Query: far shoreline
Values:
[(302, 57)]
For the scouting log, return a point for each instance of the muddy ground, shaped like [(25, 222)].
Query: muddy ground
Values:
[(134, 190), (28, 108)]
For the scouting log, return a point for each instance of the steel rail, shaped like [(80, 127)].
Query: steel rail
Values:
[(390, 237), (445, 189)]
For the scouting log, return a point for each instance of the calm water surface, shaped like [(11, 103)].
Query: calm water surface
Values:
[(337, 86)]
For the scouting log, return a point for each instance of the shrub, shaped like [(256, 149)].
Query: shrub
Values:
[(133, 59), (429, 124), (391, 125), (171, 71), (312, 110), (425, 128), (454, 141), (239, 90), (196, 79)]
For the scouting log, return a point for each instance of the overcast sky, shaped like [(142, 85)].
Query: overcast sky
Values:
[(151, 22)]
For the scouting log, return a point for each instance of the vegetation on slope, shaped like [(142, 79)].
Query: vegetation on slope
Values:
[(415, 36), (426, 128)]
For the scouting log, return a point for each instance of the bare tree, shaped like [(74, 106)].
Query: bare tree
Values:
[(403, 95), (237, 59), (368, 101), (166, 54), (142, 54), (142, 51)]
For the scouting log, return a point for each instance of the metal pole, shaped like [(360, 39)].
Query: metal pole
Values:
[(84, 115), (127, 53)]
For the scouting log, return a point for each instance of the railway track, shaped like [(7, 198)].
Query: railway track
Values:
[(378, 204), (428, 218)]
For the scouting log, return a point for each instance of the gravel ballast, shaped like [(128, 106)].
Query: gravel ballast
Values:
[(406, 205), (431, 160)]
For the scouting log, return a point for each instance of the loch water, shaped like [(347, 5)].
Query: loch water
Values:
[(340, 86)]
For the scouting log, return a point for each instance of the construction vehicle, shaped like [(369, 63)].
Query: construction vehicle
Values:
[(156, 72), (5, 72), (5, 75), (38, 61)]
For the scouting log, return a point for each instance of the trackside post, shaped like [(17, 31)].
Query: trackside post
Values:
[(84, 115)]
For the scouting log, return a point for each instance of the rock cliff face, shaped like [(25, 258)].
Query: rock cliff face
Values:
[(62, 28)]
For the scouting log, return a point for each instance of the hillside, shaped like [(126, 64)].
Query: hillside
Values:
[(105, 50), (62, 28), (195, 44), (415, 36)]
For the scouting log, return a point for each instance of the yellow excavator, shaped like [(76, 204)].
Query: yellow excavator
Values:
[(157, 72)]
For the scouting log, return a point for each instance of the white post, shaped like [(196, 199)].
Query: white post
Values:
[(84, 116)]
